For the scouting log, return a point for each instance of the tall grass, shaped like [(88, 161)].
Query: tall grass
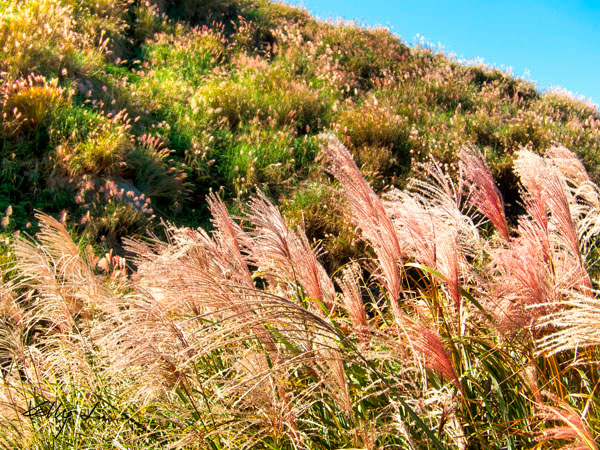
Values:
[(445, 334), (456, 310)]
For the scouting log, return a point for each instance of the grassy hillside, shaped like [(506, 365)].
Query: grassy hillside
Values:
[(401, 250), (105, 101)]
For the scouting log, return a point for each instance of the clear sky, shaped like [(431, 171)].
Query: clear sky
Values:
[(553, 43)]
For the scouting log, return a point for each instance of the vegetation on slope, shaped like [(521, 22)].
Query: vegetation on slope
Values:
[(124, 112)]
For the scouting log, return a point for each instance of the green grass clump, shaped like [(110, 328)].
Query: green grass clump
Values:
[(191, 55), (51, 49), (100, 153), (268, 95), (269, 159)]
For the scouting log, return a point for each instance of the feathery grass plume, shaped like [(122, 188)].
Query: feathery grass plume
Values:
[(528, 166), (435, 188), (530, 376), (15, 429), (66, 272), (584, 198), (232, 238), (429, 235), (427, 342), (64, 303), (13, 328), (547, 192), (369, 216), (543, 262), (560, 210), (574, 326), (447, 203), (46, 269), (569, 164), (353, 303), (236, 245), (331, 369), (257, 387), (414, 224), (231, 246), (449, 260), (201, 281), (572, 428), (286, 254), (520, 279), (484, 194)]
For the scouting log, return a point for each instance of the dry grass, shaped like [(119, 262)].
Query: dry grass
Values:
[(239, 338)]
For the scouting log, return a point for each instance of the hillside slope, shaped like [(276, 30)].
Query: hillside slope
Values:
[(122, 112)]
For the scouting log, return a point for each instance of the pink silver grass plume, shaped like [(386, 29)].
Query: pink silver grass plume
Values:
[(199, 281), (574, 326), (436, 186), (448, 259), (484, 194), (569, 164), (237, 244), (369, 215), (520, 280), (330, 369), (428, 235), (353, 304), (414, 224), (584, 195), (66, 287), (438, 191), (572, 426), (428, 343), (234, 241), (546, 192), (60, 303), (287, 254)]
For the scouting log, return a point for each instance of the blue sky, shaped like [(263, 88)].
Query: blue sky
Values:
[(554, 43)]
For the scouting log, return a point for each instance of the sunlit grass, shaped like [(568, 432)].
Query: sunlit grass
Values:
[(353, 322)]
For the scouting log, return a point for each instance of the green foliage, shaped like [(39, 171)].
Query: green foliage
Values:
[(270, 159), (315, 209), (268, 94), (188, 53), (379, 139)]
